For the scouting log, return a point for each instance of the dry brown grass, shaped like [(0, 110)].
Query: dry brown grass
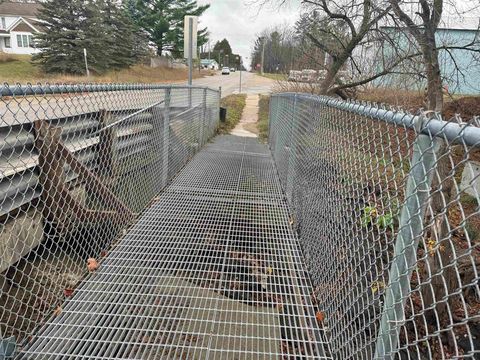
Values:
[(135, 74), (407, 100), (5, 58)]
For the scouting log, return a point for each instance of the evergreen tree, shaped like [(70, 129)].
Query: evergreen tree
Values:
[(163, 20), (126, 42), (223, 46), (61, 43), (103, 27), (223, 53)]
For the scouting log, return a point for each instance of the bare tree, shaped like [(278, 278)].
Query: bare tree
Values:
[(348, 24), (421, 23)]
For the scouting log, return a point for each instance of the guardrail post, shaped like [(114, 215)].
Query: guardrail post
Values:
[(166, 137), (411, 227), (291, 152)]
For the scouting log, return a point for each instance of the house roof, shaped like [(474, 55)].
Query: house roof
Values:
[(459, 22), (22, 25), (19, 8)]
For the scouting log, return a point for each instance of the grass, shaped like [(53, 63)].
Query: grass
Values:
[(234, 104), (263, 113), (19, 69), (279, 77)]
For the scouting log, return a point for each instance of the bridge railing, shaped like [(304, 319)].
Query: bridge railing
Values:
[(386, 205), (78, 163)]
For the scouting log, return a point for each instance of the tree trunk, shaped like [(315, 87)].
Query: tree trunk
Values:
[(439, 246), (434, 78)]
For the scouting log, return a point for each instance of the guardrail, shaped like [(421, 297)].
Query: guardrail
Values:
[(77, 164), (386, 205)]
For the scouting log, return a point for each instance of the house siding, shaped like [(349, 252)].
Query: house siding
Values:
[(463, 82), (17, 17)]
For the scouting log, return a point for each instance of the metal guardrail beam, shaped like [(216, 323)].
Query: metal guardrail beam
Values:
[(51, 89)]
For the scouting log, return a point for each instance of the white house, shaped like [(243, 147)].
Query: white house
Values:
[(18, 26), (209, 64)]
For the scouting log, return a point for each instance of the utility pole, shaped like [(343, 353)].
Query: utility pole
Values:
[(240, 66), (220, 52), (263, 55)]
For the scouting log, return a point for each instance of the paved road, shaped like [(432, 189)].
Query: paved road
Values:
[(251, 83)]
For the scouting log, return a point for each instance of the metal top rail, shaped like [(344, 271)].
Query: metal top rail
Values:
[(452, 131), (49, 89)]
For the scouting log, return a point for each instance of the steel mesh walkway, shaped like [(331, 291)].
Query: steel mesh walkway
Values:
[(211, 270)]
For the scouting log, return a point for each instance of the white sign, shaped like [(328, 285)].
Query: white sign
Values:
[(186, 40)]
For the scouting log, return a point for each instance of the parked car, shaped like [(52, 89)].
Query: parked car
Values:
[(294, 75), (225, 70), (233, 69)]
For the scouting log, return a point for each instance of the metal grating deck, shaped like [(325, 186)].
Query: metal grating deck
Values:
[(212, 270)]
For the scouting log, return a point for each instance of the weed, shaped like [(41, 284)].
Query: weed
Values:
[(234, 104)]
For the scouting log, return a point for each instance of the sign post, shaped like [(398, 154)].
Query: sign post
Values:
[(86, 63), (190, 43)]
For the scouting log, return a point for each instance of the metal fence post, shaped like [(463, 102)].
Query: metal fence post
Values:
[(204, 115), (166, 137), (291, 152), (411, 227)]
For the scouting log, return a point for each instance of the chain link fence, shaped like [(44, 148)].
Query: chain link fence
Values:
[(386, 205), (77, 166)]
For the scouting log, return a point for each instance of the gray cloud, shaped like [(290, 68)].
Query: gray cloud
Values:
[(239, 21)]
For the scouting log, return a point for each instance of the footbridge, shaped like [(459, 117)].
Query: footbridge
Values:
[(130, 230)]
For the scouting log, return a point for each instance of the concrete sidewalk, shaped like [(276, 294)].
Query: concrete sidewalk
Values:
[(246, 126)]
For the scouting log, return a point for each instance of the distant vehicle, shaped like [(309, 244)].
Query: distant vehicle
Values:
[(225, 70), (232, 69), (294, 75)]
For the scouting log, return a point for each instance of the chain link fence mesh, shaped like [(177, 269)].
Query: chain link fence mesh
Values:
[(386, 208), (77, 165)]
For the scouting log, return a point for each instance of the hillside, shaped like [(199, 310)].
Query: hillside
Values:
[(19, 69)]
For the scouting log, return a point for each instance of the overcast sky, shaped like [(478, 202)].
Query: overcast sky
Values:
[(239, 21)]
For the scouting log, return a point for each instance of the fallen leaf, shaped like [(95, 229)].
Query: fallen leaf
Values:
[(269, 270), (68, 292), (57, 311), (377, 285), (320, 316), (92, 264)]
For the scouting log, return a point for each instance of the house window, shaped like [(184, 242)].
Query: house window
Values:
[(4, 24), (6, 42), (25, 41)]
